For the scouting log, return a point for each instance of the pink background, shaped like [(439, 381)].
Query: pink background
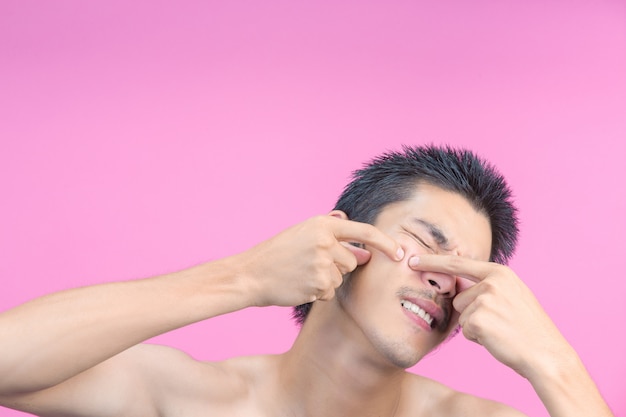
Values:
[(138, 138)]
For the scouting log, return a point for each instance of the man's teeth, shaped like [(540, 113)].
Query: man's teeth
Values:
[(415, 309)]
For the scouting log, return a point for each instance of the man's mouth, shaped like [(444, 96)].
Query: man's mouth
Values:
[(415, 309)]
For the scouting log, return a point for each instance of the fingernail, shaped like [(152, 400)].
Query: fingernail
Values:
[(414, 261), (400, 254)]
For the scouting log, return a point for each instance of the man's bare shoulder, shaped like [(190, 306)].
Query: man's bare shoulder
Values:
[(192, 387), (144, 380), (429, 397), (177, 372)]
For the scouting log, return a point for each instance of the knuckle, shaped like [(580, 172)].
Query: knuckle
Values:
[(479, 302), (472, 325), (337, 282), (483, 302), (322, 264), (488, 286), (328, 295), (338, 278), (324, 241), (320, 287), (351, 265), (315, 224), (342, 270)]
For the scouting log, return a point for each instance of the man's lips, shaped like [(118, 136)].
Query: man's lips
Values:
[(417, 311), (435, 316)]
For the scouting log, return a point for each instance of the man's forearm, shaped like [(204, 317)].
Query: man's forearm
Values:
[(53, 338), (567, 390)]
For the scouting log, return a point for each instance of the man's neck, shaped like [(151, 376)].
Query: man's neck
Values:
[(332, 370)]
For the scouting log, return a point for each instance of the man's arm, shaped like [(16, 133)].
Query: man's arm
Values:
[(51, 339), (500, 312), (49, 342)]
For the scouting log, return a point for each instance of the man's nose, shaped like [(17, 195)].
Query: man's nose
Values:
[(442, 283)]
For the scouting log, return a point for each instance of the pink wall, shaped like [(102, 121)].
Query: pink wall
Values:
[(142, 137)]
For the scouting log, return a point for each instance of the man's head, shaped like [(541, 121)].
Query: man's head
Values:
[(394, 177)]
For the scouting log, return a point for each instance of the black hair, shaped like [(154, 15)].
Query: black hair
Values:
[(394, 177)]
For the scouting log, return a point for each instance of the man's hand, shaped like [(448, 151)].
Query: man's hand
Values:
[(501, 313), (307, 261), (498, 311)]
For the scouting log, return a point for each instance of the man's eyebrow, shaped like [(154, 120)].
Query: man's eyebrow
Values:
[(435, 232)]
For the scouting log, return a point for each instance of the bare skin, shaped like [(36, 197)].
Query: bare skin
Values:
[(350, 355)]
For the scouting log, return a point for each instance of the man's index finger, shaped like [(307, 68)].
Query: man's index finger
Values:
[(348, 230), (453, 265)]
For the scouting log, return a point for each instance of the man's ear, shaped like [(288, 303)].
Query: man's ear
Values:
[(338, 214)]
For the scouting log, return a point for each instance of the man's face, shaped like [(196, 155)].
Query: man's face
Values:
[(406, 313)]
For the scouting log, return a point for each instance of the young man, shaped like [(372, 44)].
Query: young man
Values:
[(373, 299)]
